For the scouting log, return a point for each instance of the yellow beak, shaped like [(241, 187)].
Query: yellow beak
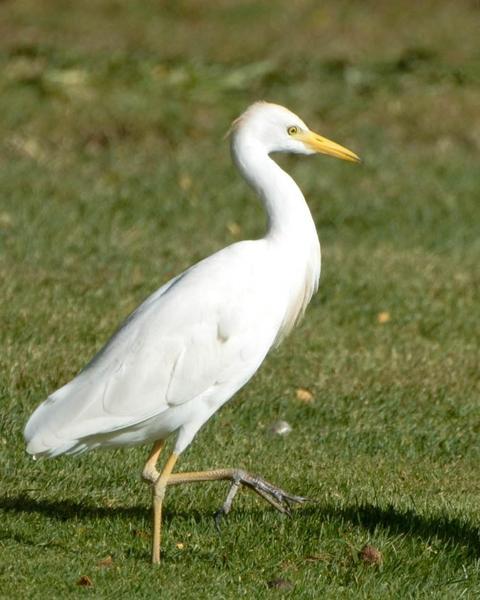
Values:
[(320, 144)]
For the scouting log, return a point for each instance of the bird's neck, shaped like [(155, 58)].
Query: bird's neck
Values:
[(291, 234), (288, 213)]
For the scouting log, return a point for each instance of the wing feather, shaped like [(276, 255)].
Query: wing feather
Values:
[(198, 331)]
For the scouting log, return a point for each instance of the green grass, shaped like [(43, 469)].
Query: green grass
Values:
[(114, 177)]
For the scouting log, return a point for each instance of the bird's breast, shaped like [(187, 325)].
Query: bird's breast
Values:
[(299, 276)]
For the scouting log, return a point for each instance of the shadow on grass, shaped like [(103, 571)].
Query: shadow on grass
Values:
[(367, 516), (450, 530), (70, 510), (64, 510)]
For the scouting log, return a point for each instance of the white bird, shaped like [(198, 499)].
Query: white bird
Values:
[(198, 339)]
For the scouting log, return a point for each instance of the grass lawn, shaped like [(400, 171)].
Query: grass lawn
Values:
[(114, 176)]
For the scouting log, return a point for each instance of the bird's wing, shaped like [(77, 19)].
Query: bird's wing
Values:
[(209, 326)]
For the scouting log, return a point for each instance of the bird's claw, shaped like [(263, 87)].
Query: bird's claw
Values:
[(278, 498), (218, 516)]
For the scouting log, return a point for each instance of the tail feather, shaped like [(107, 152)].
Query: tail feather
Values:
[(57, 425)]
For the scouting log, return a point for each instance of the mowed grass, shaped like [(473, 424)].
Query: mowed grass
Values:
[(114, 176)]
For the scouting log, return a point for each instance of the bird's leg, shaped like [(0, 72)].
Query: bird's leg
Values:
[(159, 488), (277, 497), (150, 473)]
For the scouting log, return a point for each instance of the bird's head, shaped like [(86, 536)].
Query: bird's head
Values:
[(279, 130)]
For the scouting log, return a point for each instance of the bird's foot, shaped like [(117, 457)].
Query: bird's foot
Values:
[(274, 495)]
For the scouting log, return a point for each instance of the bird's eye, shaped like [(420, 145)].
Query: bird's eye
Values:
[(292, 130)]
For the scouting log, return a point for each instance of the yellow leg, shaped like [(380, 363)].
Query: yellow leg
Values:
[(150, 472), (277, 497), (199, 476), (159, 488)]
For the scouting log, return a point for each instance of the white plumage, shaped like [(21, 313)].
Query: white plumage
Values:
[(198, 339)]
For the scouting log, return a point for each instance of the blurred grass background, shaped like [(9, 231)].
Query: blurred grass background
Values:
[(114, 176)]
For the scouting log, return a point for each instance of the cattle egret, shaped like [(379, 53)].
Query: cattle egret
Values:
[(198, 339)]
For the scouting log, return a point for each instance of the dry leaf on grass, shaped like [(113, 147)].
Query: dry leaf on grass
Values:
[(85, 581), (371, 555), (105, 562), (304, 395)]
